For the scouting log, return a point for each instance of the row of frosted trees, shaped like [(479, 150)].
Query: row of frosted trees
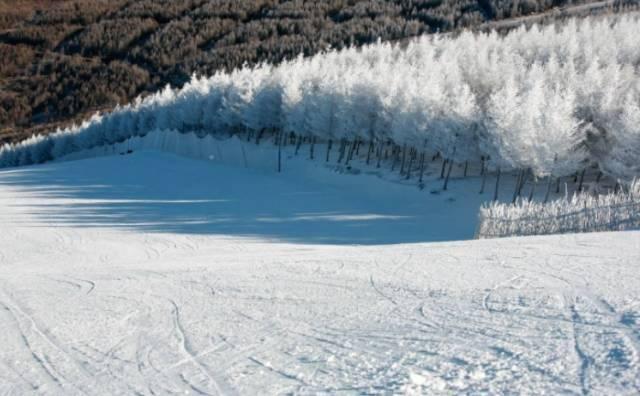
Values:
[(550, 100), (579, 213)]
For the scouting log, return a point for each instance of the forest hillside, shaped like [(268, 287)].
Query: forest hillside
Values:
[(62, 60)]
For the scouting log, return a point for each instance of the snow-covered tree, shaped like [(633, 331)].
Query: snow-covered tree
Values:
[(265, 110), (623, 160), (552, 99)]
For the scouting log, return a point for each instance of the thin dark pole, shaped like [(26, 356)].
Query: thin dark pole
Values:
[(279, 152), (495, 193)]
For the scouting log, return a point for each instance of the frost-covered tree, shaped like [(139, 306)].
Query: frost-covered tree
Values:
[(503, 120), (295, 105), (265, 110), (552, 99), (623, 160), (212, 117), (323, 102), (556, 137), (238, 96)]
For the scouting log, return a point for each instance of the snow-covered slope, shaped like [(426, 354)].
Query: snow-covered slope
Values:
[(155, 274), (307, 203)]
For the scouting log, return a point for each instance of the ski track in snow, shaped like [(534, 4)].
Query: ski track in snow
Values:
[(107, 310)]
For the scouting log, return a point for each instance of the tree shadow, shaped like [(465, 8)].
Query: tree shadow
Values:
[(158, 192)]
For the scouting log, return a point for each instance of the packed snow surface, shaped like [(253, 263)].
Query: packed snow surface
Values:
[(154, 274)]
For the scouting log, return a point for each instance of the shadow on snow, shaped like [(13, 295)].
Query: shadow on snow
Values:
[(157, 192)]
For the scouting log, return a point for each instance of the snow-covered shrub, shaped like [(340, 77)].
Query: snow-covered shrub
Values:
[(580, 213), (551, 99)]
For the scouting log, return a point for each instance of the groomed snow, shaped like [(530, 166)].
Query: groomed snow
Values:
[(154, 274)]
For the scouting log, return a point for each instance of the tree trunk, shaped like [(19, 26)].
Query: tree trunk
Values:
[(444, 167), (484, 180), (404, 157), (279, 152), (525, 176), (582, 179), (313, 144), (369, 152), (394, 154), (446, 180), (410, 164), (495, 193), (482, 170), (352, 150), (466, 167), (298, 144), (380, 150), (533, 188), (259, 136), (517, 187), (599, 177), (347, 151), (558, 185), (329, 149), (546, 196), (421, 166), (342, 149)]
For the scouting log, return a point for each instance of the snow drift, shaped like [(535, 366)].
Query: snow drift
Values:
[(553, 99)]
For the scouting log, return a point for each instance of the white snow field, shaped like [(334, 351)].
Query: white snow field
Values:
[(155, 274)]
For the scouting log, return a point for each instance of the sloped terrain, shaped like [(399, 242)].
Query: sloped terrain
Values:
[(62, 60), (308, 203), (154, 274)]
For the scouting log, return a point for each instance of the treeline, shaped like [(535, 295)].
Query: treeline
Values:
[(60, 60), (547, 102)]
